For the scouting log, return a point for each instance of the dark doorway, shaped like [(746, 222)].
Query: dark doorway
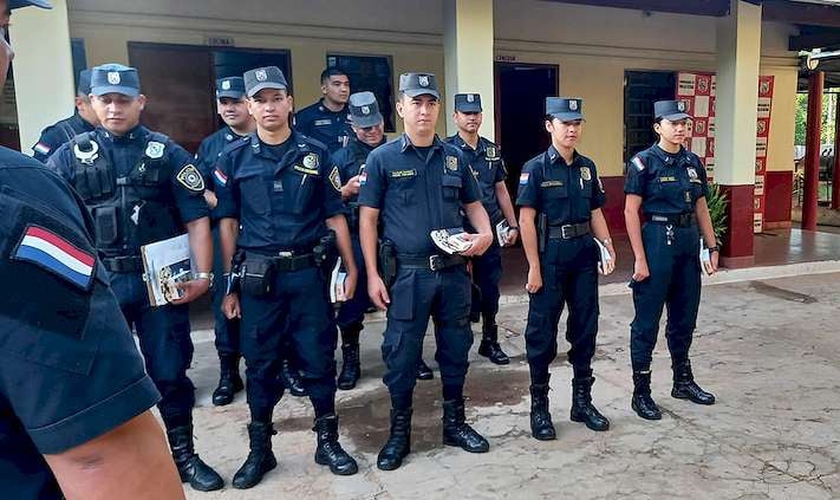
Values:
[(521, 90), (641, 90), (179, 81)]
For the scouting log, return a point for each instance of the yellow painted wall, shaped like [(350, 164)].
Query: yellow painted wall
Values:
[(592, 46)]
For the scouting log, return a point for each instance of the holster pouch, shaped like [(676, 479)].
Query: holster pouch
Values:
[(234, 280), (257, 275), (326, 253), (106, 221), (387, 262)]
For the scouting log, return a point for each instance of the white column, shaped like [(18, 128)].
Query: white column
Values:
[(739, 54), (468, 57), (43, 69)]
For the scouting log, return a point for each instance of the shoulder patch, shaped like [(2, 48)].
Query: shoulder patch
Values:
[(335, 179), (191, 178), (51, 252), (220, 177), (637, 162), (524, 178), (42, 148)]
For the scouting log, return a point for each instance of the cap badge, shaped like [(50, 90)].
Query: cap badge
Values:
[(423, 80), (226, 85), (365, 110), (573, 105), (261, 75), (114, 77), (470, 98), (681, 106)]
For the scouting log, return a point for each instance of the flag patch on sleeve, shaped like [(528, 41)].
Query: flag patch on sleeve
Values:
[(221, 178), (523, 178), (42, 148), (55, 254)]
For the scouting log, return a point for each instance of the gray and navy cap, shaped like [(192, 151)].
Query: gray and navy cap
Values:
[(83, 88), (468, 103), (269, 77), (364, 110), (416, 84), (16, 4), (565, 109), (670, 110), (232, 87), (114, 79)]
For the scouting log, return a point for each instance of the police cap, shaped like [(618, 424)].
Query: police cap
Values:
[(417, 84), (83, 87), (16, 4), (114, 79), (269, 77), (468, 103), (670, 110), (365, 110), (565, 109), (232, 87)]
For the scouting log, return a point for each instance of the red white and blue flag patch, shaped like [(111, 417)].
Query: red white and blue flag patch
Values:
[(221, 178), (523, 179), (42, 148), (55, 254), (637, 162)]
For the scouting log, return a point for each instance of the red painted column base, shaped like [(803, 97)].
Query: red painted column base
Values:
[(737, 249)]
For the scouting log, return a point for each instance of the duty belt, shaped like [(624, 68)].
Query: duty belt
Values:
[(132, 264), (434, 262), (680, 220), (569, 231), (287, 262)]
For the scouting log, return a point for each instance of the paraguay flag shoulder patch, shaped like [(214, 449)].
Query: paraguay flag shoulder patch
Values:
[(637, 162), (42, 148), (220, 177), (524, 178), (53, 253)]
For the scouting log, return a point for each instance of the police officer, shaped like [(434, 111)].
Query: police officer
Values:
[(560, 200), (233, 109), (419, 184), (669, 184), (489, 169), (328, 120), (141, 187), (74, 399), (83, 120), (369, 131), (284, 191)]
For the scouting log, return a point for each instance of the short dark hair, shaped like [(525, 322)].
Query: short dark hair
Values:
[(330, 72)]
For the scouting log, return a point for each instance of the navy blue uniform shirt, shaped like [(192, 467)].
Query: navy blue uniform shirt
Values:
[(352, 160), (281, 203), (488, 168), (125, 152), (331, 128), (208, 154), (567, 194), (669, 184), (69, 368), (57, 134), (418, 190)]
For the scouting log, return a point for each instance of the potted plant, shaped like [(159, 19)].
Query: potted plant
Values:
[(717, 210)]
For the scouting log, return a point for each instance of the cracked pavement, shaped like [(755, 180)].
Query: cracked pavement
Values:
[(768, 349)]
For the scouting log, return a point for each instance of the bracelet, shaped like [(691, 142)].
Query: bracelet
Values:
[(203, 276), (714, 249), (514, 228)]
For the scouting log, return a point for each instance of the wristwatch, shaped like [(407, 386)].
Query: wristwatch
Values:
[(204, 276), (714, 249)]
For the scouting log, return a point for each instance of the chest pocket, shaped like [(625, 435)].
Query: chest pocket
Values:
[(254, 190), (300, 190), (554, 191), (404, 185), (51, 304), (452, 186)]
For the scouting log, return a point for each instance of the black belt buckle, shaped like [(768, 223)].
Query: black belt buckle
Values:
[(563, 230), (436, 262)]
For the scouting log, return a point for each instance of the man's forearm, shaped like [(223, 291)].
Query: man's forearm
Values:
[(228, 234), (478, 217), (342, 238), (369, 237), (201, 243)]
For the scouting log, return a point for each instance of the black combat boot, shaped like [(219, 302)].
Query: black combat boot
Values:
[(457, 432), (423, 371), (260, 460), (329, 450), (351, 369), (686, 388), (190, 467), (642, 403), (229, 380), (542, 427), (490, 347), (291, 379), (582, 408), (398, 445)]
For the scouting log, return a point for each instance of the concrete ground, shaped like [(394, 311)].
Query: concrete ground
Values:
[(768, 348)]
